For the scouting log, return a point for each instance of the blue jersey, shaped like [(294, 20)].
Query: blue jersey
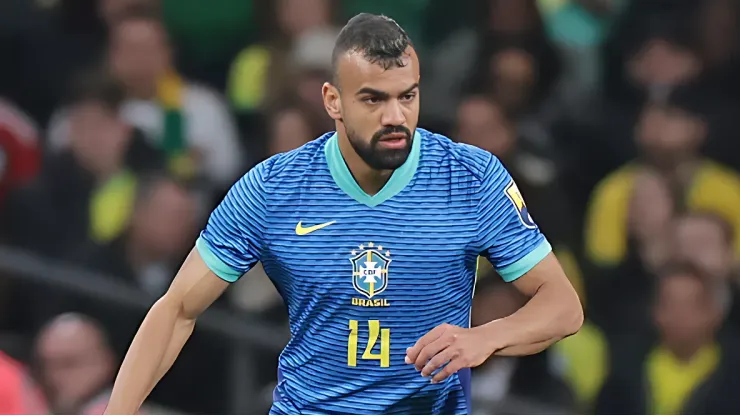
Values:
[(365, 276)]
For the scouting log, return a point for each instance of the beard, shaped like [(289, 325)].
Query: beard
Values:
[(376, 156)]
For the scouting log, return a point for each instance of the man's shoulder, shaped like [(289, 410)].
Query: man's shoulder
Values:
[(460, 155), (718, 174), (294, 163)]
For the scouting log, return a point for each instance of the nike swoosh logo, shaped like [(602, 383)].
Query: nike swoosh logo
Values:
[(301, 230)]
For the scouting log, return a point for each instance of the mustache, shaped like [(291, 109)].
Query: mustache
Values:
[(391, 130)]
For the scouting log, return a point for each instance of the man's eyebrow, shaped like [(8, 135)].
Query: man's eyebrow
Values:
[(409, 89), (373, 92), (383, 94)]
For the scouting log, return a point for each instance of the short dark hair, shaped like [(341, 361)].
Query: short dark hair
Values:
[(378, 38), (96, 87)]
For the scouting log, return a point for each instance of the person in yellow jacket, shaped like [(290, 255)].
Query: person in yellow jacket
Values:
[(669, 137)]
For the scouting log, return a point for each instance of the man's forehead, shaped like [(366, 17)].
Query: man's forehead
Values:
[(355, 72), (138, 29)]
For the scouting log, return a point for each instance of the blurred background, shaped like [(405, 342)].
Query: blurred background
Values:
[(123, 123)]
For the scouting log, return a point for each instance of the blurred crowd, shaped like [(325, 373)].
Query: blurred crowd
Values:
[(123, 123)]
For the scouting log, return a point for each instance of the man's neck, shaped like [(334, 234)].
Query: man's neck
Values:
[(142, 92), (370, 180), (686, 352), (681, 173)]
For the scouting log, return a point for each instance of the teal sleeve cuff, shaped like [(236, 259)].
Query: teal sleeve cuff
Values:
[(526, 263), (217, 266)]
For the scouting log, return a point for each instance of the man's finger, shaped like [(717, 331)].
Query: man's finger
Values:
[(428, 352), (442, 358), (413, 352), (451, 368)]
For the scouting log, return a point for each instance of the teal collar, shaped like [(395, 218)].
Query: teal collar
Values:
[(346, 182)]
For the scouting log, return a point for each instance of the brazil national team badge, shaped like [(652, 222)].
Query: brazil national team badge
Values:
[(512, 192), (370, 272)]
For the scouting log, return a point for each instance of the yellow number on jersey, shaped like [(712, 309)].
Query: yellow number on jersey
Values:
[(384, 356)]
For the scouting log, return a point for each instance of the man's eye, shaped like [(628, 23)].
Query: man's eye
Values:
[(371, 100), (408, 97)]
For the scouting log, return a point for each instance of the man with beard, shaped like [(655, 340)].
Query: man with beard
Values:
[(371, 234)]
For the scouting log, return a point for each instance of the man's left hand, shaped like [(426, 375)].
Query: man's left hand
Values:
[(452, 345)]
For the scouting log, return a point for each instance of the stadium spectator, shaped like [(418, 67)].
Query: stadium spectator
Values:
[(669, 135), (666, 58), (75, 364), (651, 51), (188, 122), (619, 294), (97, 167), (312, 66), (504, 51), (86, 191), (162, 228), (690, 369), (510, 77), (261, 73), (705, 241)]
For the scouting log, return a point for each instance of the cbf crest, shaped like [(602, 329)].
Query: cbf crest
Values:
[(370, 273)]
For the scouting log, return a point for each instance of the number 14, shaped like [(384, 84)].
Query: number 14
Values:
[(374, 330)]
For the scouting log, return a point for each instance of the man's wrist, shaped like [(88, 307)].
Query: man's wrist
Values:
[(496, 335)]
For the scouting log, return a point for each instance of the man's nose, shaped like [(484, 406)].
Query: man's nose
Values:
[(393, 114)]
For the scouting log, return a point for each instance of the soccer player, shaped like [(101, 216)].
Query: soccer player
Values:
[(371, 234)]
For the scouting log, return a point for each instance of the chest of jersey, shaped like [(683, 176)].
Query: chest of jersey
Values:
[(352, 254)]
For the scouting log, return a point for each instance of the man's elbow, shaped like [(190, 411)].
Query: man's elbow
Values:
[(174, 308), (572, 317)]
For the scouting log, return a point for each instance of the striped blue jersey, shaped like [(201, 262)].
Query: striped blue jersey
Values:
[(365, 276)]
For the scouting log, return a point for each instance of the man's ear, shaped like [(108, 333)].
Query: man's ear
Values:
[(332, 101)]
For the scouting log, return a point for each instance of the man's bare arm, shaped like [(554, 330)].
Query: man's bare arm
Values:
[(166, 328), (552, 313)]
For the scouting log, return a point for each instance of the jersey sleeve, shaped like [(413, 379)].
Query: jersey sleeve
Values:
[(231, 242), (509, 237)]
